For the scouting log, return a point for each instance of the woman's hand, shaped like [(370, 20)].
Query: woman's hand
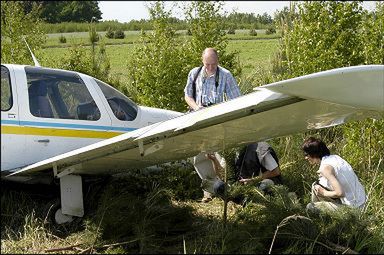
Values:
[(319, 191)]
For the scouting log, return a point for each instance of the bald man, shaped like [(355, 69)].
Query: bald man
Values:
[(208, 85)]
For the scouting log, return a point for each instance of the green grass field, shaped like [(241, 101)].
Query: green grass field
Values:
[(253, 51)]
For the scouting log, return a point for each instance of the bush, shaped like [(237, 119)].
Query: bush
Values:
[(231, 31), (93, 36), (110, 34), (62, 39), (270, 30), (119, 34), (252, 32), (15, 25), (157, 70)]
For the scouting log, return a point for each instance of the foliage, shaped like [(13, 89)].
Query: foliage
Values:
[(270, 30), (207, 25), (100, 62), (235, 20), (231, 31), (143, 213), (285, 17), (109, 34), (77, 59), (93, 35), (64, 11), (157, 69), (248, 20), (372, 35), (252, 32), (161, 67), (327, 35), (346, 227), (94, 62), (14, 27), (119, 34), (323, 37), (62, 39), (140, 210), (364, 140)]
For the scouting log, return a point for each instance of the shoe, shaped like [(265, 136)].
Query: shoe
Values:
[(206, 199)]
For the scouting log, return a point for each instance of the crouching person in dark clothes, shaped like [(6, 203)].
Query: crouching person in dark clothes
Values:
[(257, 163)]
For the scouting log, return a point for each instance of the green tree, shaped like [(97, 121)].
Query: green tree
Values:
[(65, 11), (15, 26), (328, 35), (163, 60), (94, 62), (364, 139), (207, 27), (157, 70), (323, 37), (372, 35)]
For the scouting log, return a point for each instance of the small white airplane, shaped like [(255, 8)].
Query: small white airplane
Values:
[(65, 125)]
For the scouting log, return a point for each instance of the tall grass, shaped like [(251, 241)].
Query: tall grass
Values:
[(159, 212)]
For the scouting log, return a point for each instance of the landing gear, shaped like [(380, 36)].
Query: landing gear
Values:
[(54, 214), (61, 218)]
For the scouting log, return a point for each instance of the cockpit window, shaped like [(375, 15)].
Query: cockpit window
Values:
[(122, 107), (60, 95), (6, 91)]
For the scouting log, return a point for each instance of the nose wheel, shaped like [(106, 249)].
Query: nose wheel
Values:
[(61, 218), (55, 216)]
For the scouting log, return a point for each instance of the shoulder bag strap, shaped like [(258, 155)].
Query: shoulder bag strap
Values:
[(194, 83), (217, 78)]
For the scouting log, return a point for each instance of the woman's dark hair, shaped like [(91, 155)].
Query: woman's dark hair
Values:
[(315, 148)]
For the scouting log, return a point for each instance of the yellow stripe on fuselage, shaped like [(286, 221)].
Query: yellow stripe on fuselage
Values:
[(20, 130)]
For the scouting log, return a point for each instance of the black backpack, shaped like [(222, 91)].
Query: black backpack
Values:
[(247, 164)]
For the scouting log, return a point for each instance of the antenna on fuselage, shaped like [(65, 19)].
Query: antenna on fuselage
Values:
[(33, 56)]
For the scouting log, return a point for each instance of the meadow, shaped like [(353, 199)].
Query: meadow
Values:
[(254, 51), (161, 212)]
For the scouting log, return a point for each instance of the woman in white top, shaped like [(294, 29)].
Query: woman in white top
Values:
[(337, 184)]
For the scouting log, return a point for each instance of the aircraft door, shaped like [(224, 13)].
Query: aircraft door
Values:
[(12, 144), (62, 112)]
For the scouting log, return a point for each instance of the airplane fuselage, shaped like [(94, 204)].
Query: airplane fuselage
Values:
[(46, 112)]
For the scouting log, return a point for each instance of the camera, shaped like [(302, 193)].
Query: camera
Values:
[(317, 182), (208, 104)]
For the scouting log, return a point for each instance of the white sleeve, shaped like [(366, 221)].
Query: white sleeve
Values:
[(269, 162)]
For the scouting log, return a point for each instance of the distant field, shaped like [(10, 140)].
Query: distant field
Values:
[(133, 36), (253, 51)]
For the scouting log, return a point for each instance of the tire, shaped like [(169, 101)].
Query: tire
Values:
[(53, 214)]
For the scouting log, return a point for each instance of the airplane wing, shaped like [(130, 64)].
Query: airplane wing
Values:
[(312, 101)]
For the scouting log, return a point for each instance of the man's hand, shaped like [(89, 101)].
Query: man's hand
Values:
[(211, 156), (199, 107), (250, 180)]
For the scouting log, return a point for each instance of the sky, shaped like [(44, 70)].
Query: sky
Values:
[(124, 11)]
